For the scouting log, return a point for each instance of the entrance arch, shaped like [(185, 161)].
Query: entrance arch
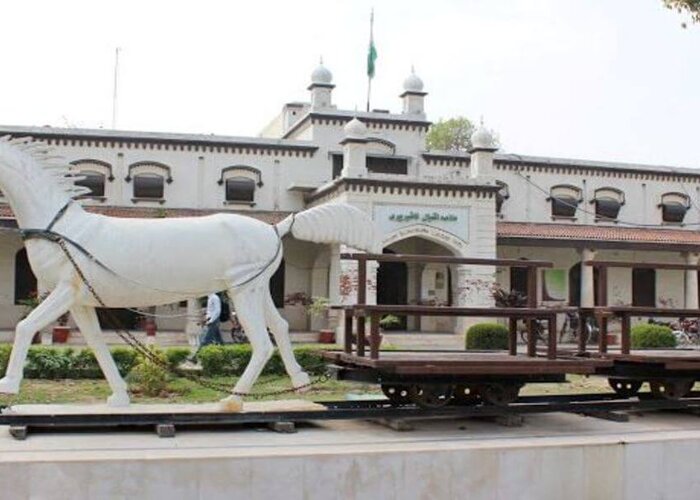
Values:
[(417, 283)]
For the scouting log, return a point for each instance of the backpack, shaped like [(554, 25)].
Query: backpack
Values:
[(225, 314)]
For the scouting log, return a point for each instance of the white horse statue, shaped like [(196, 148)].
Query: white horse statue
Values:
[(148, 262)]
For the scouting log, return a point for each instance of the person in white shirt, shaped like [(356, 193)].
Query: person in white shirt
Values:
[(212, 334)]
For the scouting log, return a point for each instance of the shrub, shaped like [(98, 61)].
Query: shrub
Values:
[(125, 358), (5, 350), (488, 336), (177, 355), (224, 360), (151, 379), (232, 360), (53, 363), (84, 365), (649, 336), (48, 363)]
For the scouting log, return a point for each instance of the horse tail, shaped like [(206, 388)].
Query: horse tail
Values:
[(333, 223)]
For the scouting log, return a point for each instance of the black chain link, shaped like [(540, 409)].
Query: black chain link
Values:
[(147, 353)]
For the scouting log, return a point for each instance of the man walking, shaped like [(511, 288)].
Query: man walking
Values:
[(212, 335)]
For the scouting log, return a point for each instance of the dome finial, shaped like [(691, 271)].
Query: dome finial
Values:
[(413, 83), (355, 129), (321, 75), (482, 138)]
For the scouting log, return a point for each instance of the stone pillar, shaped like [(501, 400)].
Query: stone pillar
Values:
[(474, 285), (587, 284), (482, 153), (354, 150), (691, 281), (192, 327)]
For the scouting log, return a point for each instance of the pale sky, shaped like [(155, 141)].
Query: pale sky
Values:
[(594, 79)]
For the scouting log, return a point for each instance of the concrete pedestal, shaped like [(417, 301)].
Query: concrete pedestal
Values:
[(550, 457)]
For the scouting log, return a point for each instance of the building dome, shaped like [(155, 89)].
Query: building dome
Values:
[(482, 139), (413, 83), (321, 75), (355, 129)]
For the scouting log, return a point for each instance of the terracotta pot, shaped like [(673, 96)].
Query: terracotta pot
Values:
[(326, 337), (150, 327), (60, 334)]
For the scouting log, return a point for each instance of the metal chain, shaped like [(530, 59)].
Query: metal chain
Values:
[(147, 353)]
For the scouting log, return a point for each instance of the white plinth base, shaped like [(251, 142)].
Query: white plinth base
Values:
[(550, 457)]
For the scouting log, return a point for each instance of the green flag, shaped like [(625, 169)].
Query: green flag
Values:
[(372, 53), (371, 57)]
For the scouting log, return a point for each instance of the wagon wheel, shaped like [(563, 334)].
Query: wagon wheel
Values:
[(397, 394), (465, 395), (671, 389), (500, 394), (625, 388), (430, 395)]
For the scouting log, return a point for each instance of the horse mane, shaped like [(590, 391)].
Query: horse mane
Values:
[(44, 157)]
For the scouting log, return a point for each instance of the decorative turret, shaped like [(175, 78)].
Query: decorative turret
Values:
[(354, 149), (321, 87), (482, 151), (413, 96)]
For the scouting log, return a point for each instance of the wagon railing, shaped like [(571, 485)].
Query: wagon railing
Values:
[(603, 312), (357, 314)]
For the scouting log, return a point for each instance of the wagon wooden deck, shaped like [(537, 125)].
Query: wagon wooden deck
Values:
[(469, 363)]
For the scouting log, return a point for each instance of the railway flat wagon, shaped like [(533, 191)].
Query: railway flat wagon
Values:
[(437, 378)]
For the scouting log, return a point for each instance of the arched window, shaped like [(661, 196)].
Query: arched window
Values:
[(94, 181), (240, 189), (25, 281), (149, 186), (149, 179), (673, 207), (240, 183), (97, 173), (565, 199), (608, 202)]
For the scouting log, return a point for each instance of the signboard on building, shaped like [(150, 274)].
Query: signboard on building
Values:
[(453, 220)]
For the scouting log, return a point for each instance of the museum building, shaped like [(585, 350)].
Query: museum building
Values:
[(477, 204)]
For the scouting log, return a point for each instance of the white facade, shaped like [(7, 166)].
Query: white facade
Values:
[(482, 204)]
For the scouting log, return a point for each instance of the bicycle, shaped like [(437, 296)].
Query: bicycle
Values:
[(572, 325)]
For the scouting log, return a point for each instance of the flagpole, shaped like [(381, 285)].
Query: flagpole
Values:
[(371, 45), (369, 91), (116, 83)]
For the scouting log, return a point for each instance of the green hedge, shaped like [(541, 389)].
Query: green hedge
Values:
[(232, 360), (487, 336), (648, 336), (45, 362)]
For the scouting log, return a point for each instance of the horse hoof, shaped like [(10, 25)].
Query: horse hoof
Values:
[(301, 380), (231, 404), (118, 399), (9, 385)]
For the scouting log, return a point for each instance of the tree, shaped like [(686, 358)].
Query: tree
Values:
[(692, 7), (450, 135)]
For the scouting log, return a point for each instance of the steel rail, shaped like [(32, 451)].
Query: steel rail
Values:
[(354, 410)]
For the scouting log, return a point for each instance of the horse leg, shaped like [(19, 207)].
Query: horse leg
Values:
[(86, 319), (280, 329), (50, 309), (251, 314)]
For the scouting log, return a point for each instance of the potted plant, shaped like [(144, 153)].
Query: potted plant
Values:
[(318, 308), (61, 330)]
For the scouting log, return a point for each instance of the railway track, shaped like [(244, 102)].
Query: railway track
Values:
[(608, 406)]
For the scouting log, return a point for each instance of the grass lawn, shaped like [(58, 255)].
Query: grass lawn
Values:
[(181, 390)]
